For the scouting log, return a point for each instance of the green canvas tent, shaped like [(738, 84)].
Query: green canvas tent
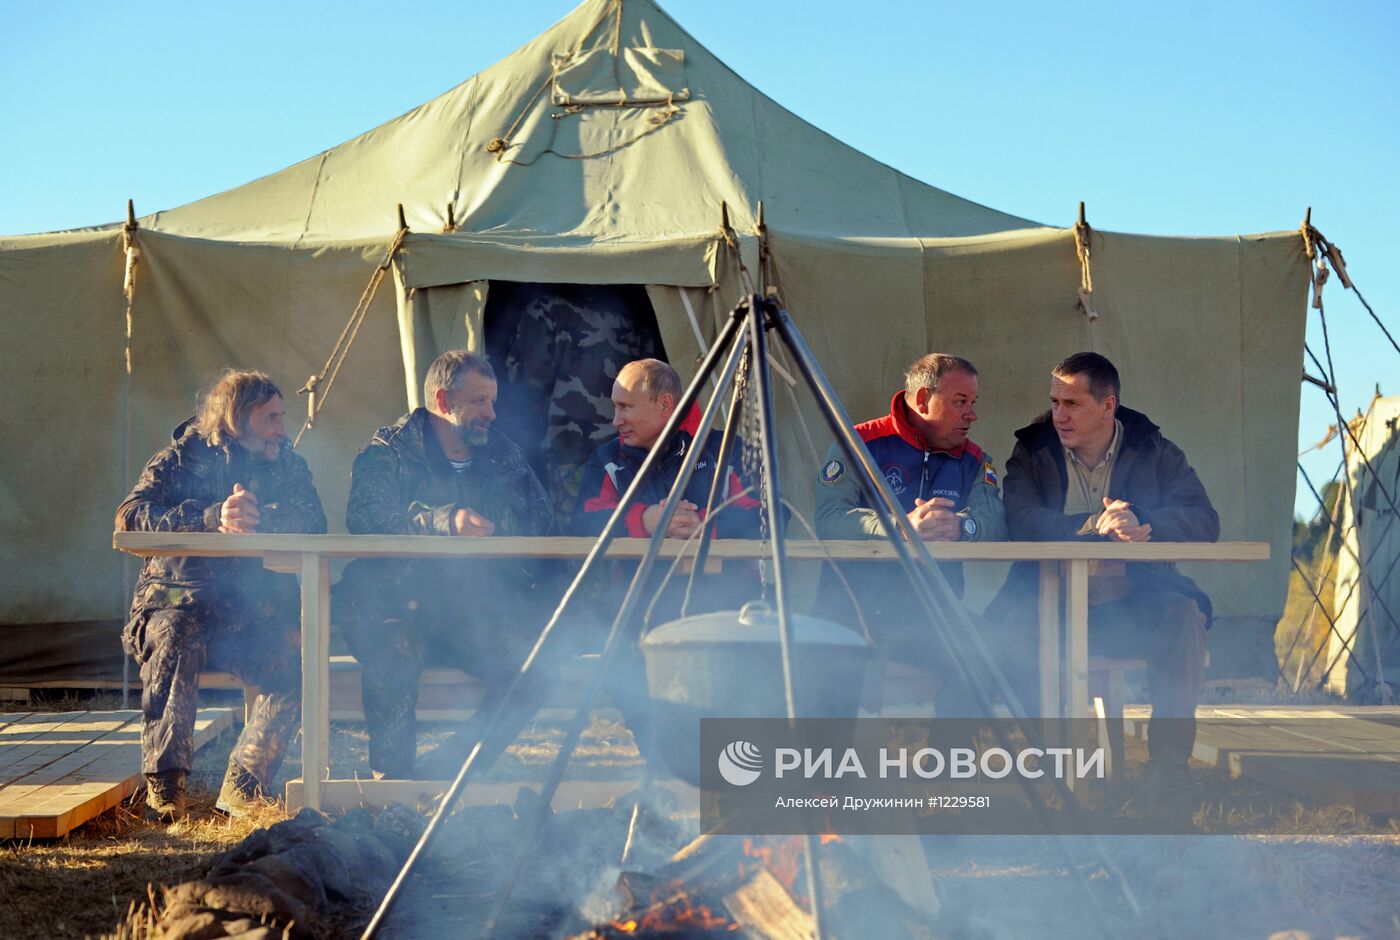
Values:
[(1363, 650), (609, 150)]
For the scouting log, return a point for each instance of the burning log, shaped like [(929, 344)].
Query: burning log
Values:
[(762, 907), (751, 887)]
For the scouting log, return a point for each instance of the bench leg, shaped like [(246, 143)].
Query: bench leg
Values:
[(250, 701), (1114, 695)]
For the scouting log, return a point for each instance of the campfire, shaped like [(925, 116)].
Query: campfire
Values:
[(753, 887)]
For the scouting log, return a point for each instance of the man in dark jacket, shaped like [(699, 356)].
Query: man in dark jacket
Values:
[(231, 469), (442, 470), (644, 397), (1090, 469)]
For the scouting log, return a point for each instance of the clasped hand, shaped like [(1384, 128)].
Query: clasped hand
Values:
[(934, 520), (684, 522), (471, 524), (1119, 523)]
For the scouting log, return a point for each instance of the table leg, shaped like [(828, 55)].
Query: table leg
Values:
[(1077, 662), (315, 676), (1050, 639)]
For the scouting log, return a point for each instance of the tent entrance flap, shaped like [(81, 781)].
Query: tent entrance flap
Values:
[(433, 320), (555, 350)]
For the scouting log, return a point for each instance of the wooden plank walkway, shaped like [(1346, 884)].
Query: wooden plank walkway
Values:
[(1337, 755), (58, 770)]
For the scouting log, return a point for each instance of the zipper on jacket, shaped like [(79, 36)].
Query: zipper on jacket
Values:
[(923, 477)]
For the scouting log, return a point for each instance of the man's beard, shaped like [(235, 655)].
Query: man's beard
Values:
[(262, 448), (471, 434)]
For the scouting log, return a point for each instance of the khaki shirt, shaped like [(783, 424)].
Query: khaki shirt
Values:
[(1108, 580)]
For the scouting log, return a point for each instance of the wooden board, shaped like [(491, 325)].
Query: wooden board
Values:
[(1343, 756), (59, 771), (277, 547), (452, 695), (340, 795)]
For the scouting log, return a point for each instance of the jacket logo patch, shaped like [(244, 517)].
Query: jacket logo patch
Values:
[(989, 473), (894, 476), (832, 473)]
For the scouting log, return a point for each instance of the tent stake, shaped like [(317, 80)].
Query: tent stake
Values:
[(402, 224)]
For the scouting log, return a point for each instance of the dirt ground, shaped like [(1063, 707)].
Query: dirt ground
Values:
[(1339, 883)]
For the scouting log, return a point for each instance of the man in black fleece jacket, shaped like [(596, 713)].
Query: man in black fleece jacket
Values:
[(1089, 469)]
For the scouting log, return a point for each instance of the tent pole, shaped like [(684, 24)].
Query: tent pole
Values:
[(133, 255)]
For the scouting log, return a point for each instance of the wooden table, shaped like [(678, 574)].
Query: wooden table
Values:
[(1064, 679)]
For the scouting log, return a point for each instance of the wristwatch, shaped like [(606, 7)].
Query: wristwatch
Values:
[(969, 527)]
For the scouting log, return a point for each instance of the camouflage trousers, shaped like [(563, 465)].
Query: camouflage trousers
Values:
[(172, 646), (394, 638)]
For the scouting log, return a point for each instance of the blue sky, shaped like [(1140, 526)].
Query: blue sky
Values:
[(1185, 118)]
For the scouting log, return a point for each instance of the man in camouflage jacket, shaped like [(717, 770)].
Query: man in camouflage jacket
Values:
[(230, 470), (442, 470)]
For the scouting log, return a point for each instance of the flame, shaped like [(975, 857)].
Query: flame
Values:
[(782, 858), (684, 915), (674, 910)]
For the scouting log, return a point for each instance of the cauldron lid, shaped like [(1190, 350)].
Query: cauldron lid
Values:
[(755, 623)]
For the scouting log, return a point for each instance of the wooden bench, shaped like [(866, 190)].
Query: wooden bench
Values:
[(207, 680), (1064, 569), (1107, 691), (227, 680), (444, 694)]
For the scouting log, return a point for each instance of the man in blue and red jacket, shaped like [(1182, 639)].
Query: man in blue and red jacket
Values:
[(945, 484), (644, 396)]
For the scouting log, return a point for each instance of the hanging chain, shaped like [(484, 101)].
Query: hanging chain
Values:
[(751, 434)]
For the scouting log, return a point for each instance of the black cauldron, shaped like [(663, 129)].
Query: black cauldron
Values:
[(728, 664)]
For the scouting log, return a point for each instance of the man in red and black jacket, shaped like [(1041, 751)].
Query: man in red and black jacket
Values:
[(644, 397), (947, 487)]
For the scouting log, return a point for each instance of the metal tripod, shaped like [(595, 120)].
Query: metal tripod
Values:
[(746, 332)]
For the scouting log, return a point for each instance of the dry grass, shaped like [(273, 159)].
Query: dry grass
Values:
[(104, 876), (85, 883)]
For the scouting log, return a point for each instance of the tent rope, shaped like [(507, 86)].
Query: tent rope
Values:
[(1323, 576), (1317, 246), (1362, 567), (318, 387), (1320, 251), (132, 251), (1332, 628), (501, 144), (1083, 235)]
